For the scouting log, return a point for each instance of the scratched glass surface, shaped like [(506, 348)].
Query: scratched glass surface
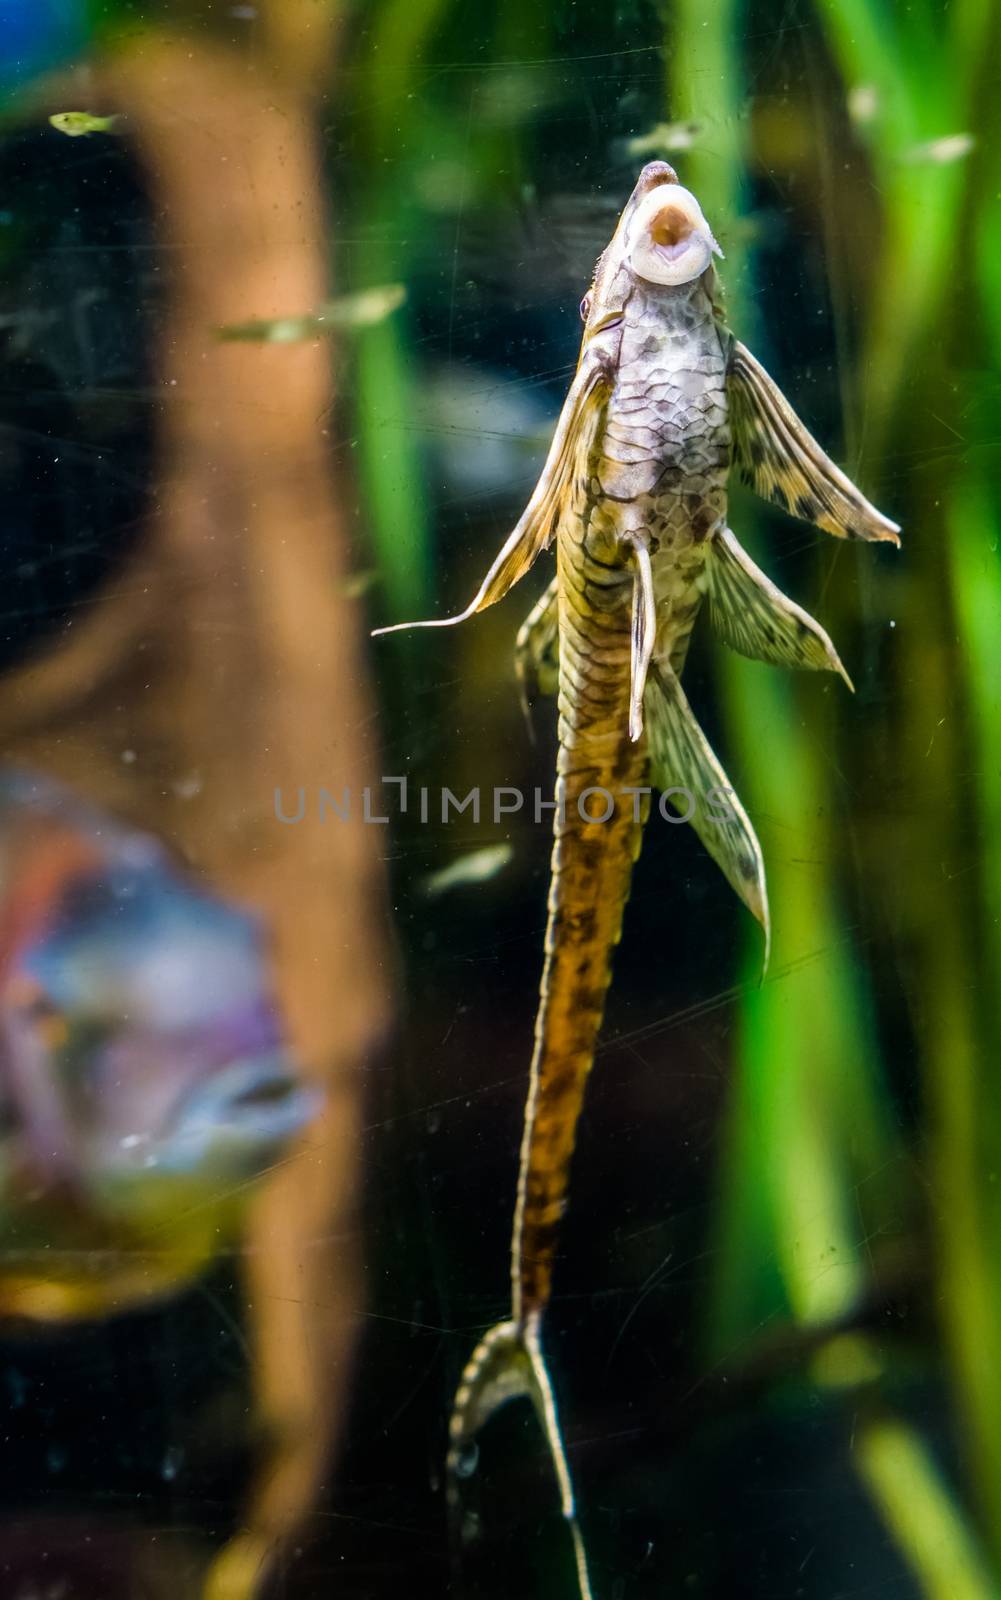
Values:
[(289, 309)]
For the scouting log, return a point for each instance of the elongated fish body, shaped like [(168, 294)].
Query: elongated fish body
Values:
[(633, 493), (659, 472)]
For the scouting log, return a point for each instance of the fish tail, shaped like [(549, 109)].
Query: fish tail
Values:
[(499, 1370), (509, 1364)]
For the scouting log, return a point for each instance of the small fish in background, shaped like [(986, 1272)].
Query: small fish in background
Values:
[(361, 310), (145, 1082), (940, 152), (662, 139), (479, 866), (77, 124), (864, 108)]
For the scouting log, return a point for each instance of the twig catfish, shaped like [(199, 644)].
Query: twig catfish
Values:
[(633, 493)]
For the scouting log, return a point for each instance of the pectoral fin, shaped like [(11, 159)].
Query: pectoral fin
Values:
[(644, 631), (782, 462), (681, 758), (755, 618), (567, 462)]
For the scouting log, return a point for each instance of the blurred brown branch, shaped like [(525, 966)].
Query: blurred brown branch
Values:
[(228, 659)]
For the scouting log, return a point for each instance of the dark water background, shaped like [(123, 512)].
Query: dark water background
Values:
[(776, 1326)]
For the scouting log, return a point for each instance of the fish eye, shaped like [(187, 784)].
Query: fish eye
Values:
[(49, 1022), (270, 1092), (585, 308)]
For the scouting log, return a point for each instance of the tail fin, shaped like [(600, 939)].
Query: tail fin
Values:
[(508, 1364)]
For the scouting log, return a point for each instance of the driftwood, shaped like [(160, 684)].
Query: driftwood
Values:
[(227, 660)]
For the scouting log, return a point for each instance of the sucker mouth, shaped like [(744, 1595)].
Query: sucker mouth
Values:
[(668, 240), (671, 230), (672, 252)]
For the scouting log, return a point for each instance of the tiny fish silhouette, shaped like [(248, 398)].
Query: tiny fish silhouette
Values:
[(633, 494), (363, 309), (77, 124), (667, 136), (478, 866)]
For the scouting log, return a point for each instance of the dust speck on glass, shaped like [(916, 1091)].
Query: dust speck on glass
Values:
[(389, 1201)]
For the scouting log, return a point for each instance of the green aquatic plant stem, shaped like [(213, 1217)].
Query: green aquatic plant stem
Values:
[(390, 467), (920, 1512), (409, 142), (804, 1039), (389, 458), (963, 1049), (811, 1106), (967, 1277), (923, 83), (924, 284)]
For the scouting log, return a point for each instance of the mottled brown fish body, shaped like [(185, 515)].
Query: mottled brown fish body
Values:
[(658, 472), (591, 870)]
